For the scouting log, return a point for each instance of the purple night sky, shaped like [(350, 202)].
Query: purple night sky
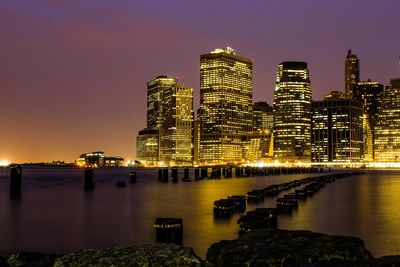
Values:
[(73, 73)]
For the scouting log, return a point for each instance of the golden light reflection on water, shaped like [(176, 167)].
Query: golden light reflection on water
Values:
[(193, 203), (64, 217), (364, 206)]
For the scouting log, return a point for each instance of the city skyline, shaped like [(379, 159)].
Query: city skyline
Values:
[(74, 79)]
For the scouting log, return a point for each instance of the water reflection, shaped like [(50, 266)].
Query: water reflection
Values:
[(63, 217)]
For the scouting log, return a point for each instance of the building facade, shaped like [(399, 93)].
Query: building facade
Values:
[(351, 73), (387, 128), (263, 116), (258, 146), (226, 105), (292, 113), (148, 147), (370, 94), (337, 134), (155, 89), (176, 131), (98, 159)]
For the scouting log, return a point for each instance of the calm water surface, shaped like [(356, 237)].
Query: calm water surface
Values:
[(55, 215)]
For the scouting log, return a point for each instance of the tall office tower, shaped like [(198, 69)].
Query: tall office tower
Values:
[(370, 94), (263, 116), (351, 73), (226, 105), (147, 147), (387, 128), (337, 131), (292, 113), (155, 89), (176, 131)]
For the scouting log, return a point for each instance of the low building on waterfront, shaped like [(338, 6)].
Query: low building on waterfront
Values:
[(147, 147), (258, 147), (98, 159)]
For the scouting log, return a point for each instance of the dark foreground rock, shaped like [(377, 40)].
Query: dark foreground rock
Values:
[(30, 259), (268, 247), (3, 262), (170, 255), (386, 261)]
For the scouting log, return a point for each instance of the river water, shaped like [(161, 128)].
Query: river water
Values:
[(55, 214)]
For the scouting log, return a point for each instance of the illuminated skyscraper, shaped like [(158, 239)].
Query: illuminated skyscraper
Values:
[(226, 106), (337, 131), (370, 94), (155, 89), (176, 131), (263, 116), (351, 73), (387, 128), (292, 113), (169, 132)]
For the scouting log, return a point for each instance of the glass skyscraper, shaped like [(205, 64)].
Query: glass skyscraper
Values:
[(155, 89), (226, 105), (176, 130), (337, 133), (351, 73), (387, 128), (169, 134), (292, 113), (370, 94)]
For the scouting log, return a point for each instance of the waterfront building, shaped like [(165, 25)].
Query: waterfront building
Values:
[(258, 146), (155, 89), (387, 128), (226, 105), (147, 147), (263, 116), (337, 134), (292, 113), (370, 94), (98, 159), (351, 73), (176, 131)]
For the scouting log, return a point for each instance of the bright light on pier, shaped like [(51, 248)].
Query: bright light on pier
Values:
[(4, 163)]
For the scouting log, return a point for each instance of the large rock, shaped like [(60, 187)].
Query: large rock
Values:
[(30, 259), (268, 247), (3, 262), (145, 255), (386, 261)]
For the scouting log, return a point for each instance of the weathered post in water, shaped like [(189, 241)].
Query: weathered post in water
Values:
[(174, 174), (132, 176), (89, 173), (15, 180), (169, 230), (196, 173), (165, 175)]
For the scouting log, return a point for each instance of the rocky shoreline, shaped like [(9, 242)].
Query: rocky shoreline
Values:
[(265, 247)]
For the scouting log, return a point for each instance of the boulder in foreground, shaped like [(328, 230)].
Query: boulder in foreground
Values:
[(269, 247), (145, 255)]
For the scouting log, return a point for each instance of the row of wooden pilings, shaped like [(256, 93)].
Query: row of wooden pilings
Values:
[(218, 172), (88, 180), (171, 229)]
